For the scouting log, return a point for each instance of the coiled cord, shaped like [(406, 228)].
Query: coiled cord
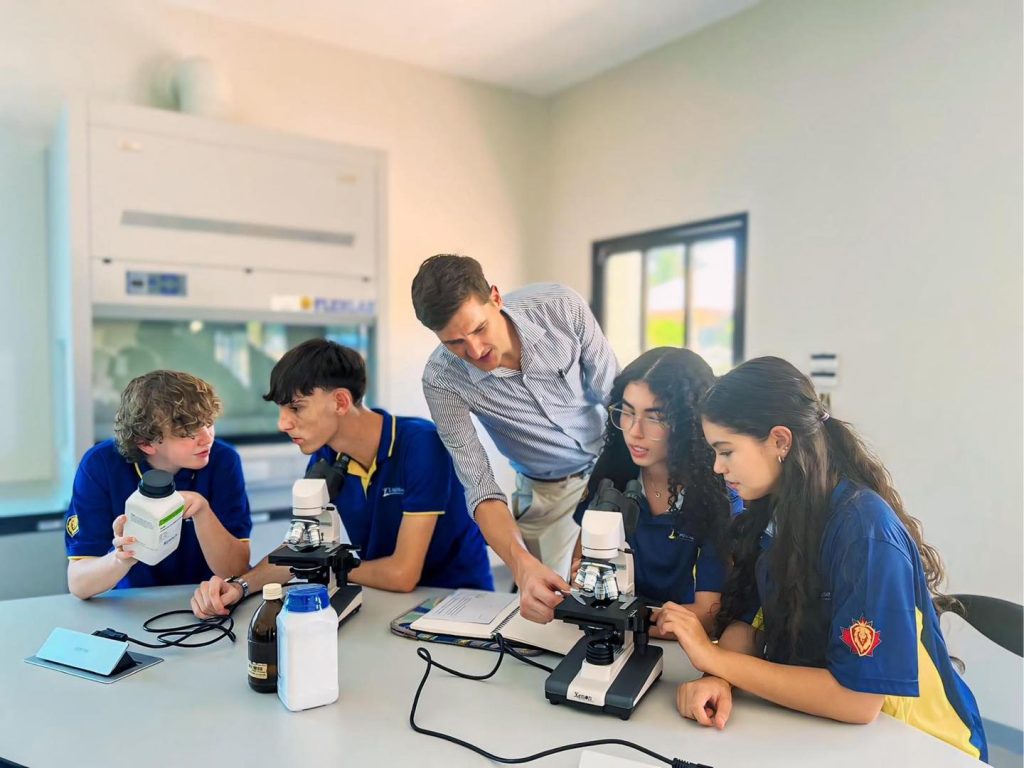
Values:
[(424, 654)]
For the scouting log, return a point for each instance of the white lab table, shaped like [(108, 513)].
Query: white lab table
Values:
[(196, 707)]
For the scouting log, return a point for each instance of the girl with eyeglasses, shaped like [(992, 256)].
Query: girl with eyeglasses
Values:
[(831, 606), (653, 433)]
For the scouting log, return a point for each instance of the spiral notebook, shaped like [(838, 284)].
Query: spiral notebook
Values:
[(477, 614)]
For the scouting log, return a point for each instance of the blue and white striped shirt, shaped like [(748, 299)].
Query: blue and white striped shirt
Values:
[(546, 418)]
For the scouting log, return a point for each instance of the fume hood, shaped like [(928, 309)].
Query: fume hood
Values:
[(192, 244)]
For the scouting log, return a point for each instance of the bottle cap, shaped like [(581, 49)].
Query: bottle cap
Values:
[(156, 484), (306, 599), (272, 592)]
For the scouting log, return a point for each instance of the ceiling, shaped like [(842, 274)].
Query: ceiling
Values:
[(536, 46)]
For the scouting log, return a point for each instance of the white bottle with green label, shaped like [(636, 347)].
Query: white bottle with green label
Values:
[(154, 513)]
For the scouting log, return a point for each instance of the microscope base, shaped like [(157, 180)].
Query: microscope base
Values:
[(346, 601), (630, 678)]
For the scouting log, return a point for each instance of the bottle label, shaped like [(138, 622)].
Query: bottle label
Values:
[(263, 661)]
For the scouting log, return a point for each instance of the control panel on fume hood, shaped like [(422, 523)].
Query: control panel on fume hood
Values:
[(156, 284)]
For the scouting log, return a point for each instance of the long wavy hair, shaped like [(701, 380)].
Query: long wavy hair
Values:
[(752, 399), (678, 378)]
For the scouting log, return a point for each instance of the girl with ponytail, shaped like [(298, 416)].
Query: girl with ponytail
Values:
[(832, 604)]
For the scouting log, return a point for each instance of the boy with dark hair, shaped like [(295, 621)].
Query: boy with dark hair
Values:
[(402, 505), (165, 421)]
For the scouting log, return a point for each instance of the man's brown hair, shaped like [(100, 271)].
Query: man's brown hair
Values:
[(443, 284), (162, 404)]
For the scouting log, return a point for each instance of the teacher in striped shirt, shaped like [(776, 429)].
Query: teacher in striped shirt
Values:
[(535, 369)]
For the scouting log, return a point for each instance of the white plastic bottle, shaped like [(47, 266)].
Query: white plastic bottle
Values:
[(307, 649), (154, 514)]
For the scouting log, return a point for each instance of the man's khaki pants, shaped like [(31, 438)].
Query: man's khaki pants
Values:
[(543, 511)]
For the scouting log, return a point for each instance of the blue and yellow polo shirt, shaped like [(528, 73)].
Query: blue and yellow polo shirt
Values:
[(669, 561), (103, 483), (876, 629), (412, 475)]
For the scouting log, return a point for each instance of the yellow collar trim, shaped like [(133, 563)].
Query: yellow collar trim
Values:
[(364, 475), (394, 423), (354, 467)]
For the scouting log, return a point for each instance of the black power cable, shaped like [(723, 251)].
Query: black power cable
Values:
[(178, 636), (424, 654)]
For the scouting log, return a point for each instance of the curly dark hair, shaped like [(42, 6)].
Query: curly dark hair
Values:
[(678, 378)]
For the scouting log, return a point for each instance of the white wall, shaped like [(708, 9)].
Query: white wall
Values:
[(460, 155), (460, 158), (877, 148)]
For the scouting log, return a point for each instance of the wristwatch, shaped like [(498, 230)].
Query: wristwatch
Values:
[(240, 581)]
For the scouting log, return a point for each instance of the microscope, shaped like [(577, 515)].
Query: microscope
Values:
[(313, 548), (613, 664)]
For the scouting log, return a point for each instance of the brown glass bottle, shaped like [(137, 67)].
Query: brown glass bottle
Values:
[(263, 641)]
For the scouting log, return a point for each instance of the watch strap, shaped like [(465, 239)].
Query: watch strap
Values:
[(242, 583)]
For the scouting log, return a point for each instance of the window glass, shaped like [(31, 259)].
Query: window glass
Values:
[(665, 307), (623, 323), (680, 287), (713, 301)]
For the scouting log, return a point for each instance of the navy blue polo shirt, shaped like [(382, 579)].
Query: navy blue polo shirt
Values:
[(105, 480), (667, 567), (412, 475), (874, 626)]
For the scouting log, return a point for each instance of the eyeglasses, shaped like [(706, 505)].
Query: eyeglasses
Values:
[(654, 428)]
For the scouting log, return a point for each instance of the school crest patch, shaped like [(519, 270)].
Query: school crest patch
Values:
[(72, 525), (862, 637)]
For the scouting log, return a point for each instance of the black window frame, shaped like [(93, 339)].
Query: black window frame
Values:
[(734, 225)]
